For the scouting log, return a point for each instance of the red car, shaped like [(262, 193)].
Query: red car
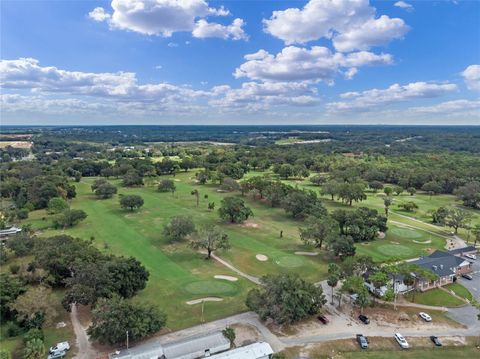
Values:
[(323, 319)]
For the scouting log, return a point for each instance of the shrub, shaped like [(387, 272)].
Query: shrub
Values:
[(33, 334), (14, 268), (12, 329)]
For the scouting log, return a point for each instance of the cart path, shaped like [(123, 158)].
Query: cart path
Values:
[(84, 347)]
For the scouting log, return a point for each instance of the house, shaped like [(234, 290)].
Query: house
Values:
[(445, 265), (194, 347), (463, 251), (259, 350)]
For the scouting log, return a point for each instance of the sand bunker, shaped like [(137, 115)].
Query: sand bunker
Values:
[(381, 235), (177, 180), (261, 257), (249, 224), (226, 277), (307, 253), (428, 241), (206, 299)]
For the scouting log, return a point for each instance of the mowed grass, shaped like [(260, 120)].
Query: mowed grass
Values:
[(432, 353), (435, 297), (460, 290), (410, 234), (175, 268)]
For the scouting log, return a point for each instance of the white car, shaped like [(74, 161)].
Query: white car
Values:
[(425, 316), (471, 256), (60, 347), (401, 341)]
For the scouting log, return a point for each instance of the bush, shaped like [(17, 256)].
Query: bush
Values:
[(12, 329), (33, 334), (14, 268), (22, 213)]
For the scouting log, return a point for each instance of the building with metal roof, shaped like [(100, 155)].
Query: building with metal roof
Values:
[(259, 350), (193, 347)]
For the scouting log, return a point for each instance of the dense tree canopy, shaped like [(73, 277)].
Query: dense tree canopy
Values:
[(233, 209), (285, 299), (112, 318)]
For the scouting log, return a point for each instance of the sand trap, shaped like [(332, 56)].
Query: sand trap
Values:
[(261, 257), (177, 180), (381, 235), (249, 224), (428, 241), (226, 277), (206, 299), (307, 253)]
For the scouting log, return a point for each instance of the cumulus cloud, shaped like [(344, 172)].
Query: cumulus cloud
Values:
[(98, 14), (404, 5), (53, 91), (165, 17), (450, 106), (369, 99), (471, 76), (301, 64), (204, 29), (350, 24)]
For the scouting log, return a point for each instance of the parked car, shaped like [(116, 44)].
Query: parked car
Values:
[(57, 355), (425, 316), (362, 341), (436, 341), (467, 276), (323, 319), (60, 347), (401, 341), (364, 319), (471, 256)]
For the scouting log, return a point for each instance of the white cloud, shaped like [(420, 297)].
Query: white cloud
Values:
[(99, 14), (165, 17), (374, 32), (204, 29), (450, 106), (471, 76), (404, 5), (172, 44), (350, 24), (32, 88), (302, 64), (369, 99)]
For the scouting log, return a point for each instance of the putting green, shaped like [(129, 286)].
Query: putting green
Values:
[(394, 250), (289, 261), (406, 232), (211, 287)]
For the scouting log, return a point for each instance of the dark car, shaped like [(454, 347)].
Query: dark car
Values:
[(364, 319), (362, 341), (467, 276), (436, 341), (323, 319)]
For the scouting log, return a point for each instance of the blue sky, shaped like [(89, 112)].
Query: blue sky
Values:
[(240, 62)]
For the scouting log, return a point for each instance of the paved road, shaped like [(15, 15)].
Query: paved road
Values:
[(473, 285)]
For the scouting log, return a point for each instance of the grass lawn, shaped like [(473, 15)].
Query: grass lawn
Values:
[(435, 297), (433, 353), (460, 290), (177, 273)]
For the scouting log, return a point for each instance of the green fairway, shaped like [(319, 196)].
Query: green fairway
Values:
[(177, 273), (406, 233)]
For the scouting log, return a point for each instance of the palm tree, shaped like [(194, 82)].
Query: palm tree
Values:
[(34, 349)]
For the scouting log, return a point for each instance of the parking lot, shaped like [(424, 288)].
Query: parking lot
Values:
[(473, 285)]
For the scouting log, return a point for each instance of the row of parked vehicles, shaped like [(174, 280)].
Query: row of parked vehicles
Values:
[(363, 341)]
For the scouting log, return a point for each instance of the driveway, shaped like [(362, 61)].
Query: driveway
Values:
[(473, 285)]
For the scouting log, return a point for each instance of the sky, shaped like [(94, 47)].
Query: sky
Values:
[(239, 62)]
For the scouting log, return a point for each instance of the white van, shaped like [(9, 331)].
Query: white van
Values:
[(60, 347)]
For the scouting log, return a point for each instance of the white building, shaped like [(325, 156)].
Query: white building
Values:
[(259, 350)]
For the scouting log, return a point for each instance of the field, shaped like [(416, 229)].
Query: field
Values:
[(178, 274), (16, 144), (436, 297)]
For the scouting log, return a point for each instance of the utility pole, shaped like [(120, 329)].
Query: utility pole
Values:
[(127, 339)]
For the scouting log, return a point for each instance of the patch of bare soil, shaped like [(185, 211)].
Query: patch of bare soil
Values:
[(245, 334), (249, 224), (84, 315)]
